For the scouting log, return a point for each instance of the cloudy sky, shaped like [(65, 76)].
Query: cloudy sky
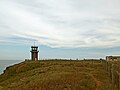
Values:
[(61, 28)]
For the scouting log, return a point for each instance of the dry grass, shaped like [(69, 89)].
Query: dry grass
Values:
[(56, 75), (115, 62)]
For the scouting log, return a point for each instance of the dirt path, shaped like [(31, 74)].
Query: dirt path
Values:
[(97, 82)]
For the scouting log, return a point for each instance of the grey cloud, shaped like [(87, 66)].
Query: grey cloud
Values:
[(61, 23)]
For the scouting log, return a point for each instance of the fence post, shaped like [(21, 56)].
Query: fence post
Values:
[(106, 66), (118, 71), (113, 72), (113, 77), (119, 82), (110, 72), (117, 76)]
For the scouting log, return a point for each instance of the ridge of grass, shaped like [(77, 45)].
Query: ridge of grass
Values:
[(56, 75)]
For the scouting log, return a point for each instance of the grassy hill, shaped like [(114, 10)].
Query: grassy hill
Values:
[(56, 75)]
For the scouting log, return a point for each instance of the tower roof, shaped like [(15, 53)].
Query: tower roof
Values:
[(34, 46)]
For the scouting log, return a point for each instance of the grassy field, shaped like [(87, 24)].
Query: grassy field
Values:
[(56, 75)]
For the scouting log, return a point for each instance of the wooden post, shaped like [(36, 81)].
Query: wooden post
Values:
[(106, 66), (110, 72), (117, 79), (113, 72), (113, 77), (119, 82)]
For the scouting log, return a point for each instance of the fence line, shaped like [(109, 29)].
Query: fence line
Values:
[(113, 72)]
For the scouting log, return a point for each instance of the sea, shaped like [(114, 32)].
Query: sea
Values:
[(6, 63)]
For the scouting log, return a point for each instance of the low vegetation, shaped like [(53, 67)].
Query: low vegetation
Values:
[(56, 75)]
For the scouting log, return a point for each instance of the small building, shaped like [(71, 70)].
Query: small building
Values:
[(34, 52), (113, 58)]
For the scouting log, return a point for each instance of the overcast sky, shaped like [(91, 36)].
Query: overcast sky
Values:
[(80, 28)]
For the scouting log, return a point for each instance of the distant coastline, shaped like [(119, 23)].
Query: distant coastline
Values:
[(6, 63)]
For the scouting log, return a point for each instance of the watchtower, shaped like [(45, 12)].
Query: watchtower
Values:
[(34, 52)]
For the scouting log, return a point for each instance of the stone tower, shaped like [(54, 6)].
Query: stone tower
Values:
[(34, 52)]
